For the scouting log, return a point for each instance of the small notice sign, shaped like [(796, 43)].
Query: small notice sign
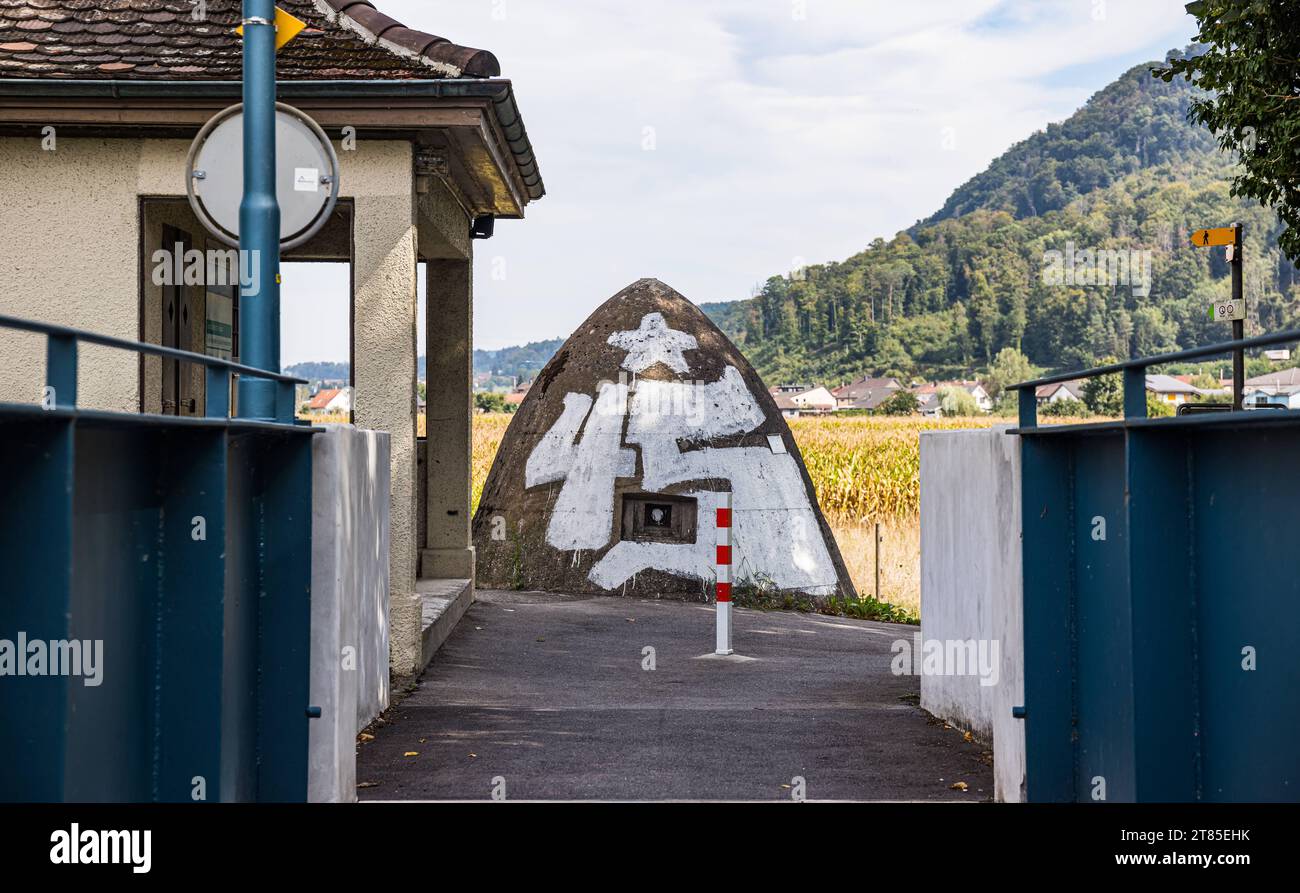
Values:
[(306, 179), (1221, 310)]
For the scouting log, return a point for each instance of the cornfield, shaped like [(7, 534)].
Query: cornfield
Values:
[(867, 468), (489, 428)]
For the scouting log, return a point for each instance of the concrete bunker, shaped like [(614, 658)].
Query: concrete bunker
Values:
[(608, 476)]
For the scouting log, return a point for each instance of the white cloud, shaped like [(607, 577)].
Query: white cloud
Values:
[(776, 137)]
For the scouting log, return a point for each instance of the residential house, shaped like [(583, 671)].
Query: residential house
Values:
[(331, 400), (865, 393), (816, 401), (785, 403), (516, 396), (1172, 390), (1061, 390), (974, 388), (1275, 389), (930, 406)]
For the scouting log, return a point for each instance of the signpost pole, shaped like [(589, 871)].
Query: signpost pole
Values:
[(259, 215), (1238, 325)]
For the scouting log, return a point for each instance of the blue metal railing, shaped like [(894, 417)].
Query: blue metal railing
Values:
[(180, 549), (1159, 571), (1134, 372), (61, 367)]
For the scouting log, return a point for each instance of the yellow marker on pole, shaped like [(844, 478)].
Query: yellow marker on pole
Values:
[(1209, 238), (287, 27)]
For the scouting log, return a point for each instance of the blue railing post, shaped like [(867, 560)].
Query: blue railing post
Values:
[(1135, 392), (61, 369), (259, 214), (1028, 407), (218, 392)]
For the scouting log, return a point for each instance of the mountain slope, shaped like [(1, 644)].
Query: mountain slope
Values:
[(1125, 175), (1137, 123)]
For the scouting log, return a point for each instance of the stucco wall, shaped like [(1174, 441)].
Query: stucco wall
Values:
[(69, 223), (971, 585), (349, 628)]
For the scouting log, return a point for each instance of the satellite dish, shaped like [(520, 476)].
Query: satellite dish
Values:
[(306, 175)]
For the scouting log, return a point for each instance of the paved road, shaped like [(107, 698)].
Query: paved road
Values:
[(548, 693)]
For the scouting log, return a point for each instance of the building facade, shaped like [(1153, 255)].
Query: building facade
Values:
[(98, 108)]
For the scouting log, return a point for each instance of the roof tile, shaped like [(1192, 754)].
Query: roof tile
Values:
[(162, 39)]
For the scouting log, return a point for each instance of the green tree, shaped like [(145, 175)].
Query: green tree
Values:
[(490, 401), (1067, 407), (1009, 367), (954, 401), (1157, 408), (902, 403), (1104, 394), (1249, 64), (983, 313)]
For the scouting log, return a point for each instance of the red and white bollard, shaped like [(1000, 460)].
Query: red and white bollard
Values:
[(724, 573)]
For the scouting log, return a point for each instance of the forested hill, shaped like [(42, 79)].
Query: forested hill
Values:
[(1126, 173), (1136, 123)]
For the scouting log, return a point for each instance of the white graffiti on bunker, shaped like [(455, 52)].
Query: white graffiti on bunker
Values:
[(775, 532), (653, 343)]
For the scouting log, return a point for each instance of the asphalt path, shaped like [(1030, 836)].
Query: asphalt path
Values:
[(538, 696)]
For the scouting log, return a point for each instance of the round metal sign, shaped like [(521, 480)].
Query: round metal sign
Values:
[(306, 175)]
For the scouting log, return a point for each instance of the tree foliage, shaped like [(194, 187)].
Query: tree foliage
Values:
[(954, 401), (902, 403), (1251, 66)]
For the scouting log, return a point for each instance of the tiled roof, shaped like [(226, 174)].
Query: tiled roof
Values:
[(323, 398), (873, 398), (863, 387), (1167, 384), (162, 40), (1285, 378)]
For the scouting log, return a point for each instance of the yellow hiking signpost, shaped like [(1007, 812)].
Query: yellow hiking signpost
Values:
[(1208, 238), (287, 27), (1234, 309)]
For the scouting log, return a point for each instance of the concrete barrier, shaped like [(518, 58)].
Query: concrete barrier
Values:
[(349, 624), (971, 587)]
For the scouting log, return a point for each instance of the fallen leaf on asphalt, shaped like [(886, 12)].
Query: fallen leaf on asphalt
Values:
[(366, 736), (958, 786), (541, 640), (368, 784), (411, 753), (473, 755), (967, 737)]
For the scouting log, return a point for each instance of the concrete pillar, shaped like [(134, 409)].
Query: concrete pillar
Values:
[(449, 314), (384, 362)]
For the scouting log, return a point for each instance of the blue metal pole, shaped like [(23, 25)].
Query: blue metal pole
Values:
[(259, 214)]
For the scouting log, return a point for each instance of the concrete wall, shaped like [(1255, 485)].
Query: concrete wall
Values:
[(349, 622), (971, 585)]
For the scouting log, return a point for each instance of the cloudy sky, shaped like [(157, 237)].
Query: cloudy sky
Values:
[(714, 143)]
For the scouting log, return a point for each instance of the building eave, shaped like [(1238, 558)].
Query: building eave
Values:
[(392, 105)]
